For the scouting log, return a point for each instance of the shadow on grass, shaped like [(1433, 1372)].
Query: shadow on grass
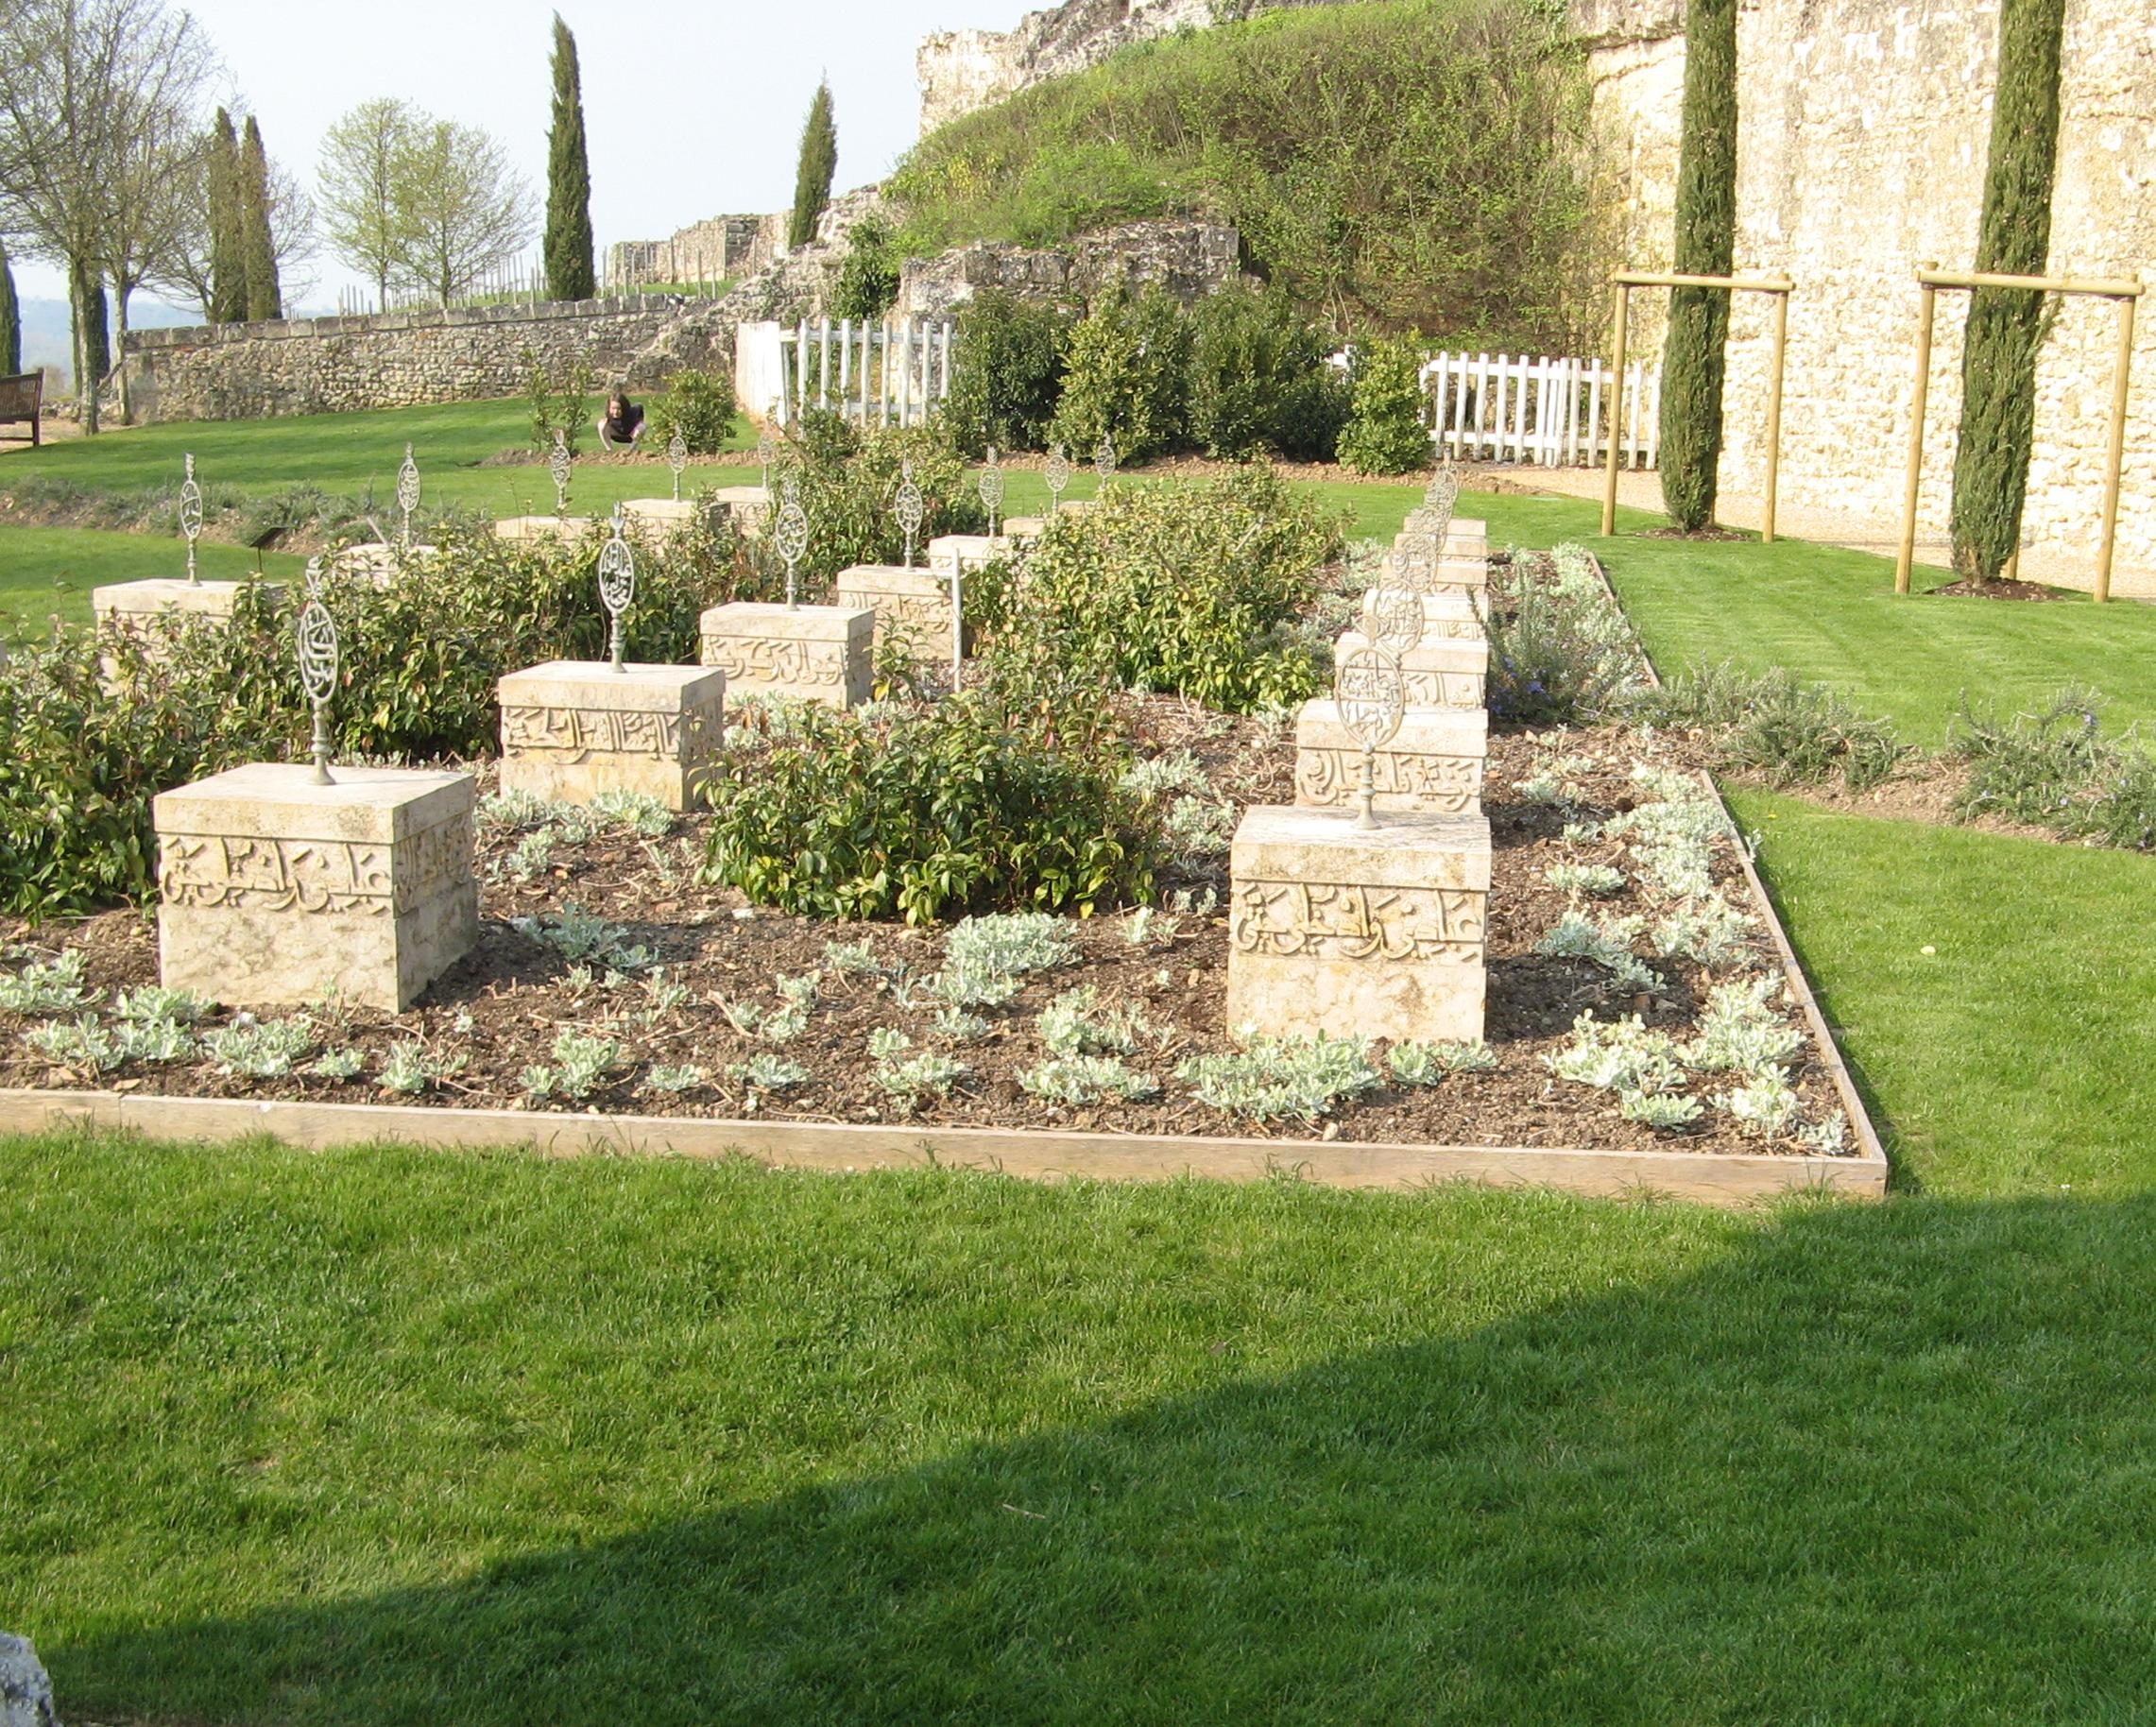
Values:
[(1884, 1463)]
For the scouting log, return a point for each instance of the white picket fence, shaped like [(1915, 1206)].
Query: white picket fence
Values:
[(1512, 408), (889, 373)]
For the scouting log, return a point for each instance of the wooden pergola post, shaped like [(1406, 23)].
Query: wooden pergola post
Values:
[(2127, 291), (1781, 287)]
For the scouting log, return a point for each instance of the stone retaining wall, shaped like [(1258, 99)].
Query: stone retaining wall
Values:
[(330, 365), (1189, 259)]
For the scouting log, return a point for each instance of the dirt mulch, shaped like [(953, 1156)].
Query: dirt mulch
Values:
[(2003, 589), (501, 1008)]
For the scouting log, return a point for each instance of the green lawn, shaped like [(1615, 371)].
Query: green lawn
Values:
[(387, 1437), (384, 1437), (48, 572)]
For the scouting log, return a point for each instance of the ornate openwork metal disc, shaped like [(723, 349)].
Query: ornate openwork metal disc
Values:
[(678, 452), (1396, 619), (617, 572), (408, 483), (1367, 687), (190, 504), (561, 464), (1414, 564), (992, 485), (791, 534), (317, 650), (1058, 471), (1442, 497), (1104, 458), (910, 508)]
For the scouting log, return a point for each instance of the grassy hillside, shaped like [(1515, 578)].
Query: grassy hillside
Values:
[(1409, 164)]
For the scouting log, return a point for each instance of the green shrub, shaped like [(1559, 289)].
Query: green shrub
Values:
[(1386, 431), (700, 405), (1788, 733), (848, 482), (1191, 587), (1007, 374), (1127, 375), (868, 280), (926, 813), (83, 754), (1415, 163), (561, 400), (1259, 378), (1561, 651)]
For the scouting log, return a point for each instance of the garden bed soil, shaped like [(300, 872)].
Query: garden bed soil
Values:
[(497, 1011), (2001, 590)]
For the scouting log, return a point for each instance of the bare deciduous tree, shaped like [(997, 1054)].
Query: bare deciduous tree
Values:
[(356, 178), (463, 209), (99, 102)]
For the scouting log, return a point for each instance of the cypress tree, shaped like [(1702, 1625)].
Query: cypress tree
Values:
[(11, 318), (1693, 358), (819, 163), (569, 271), (2006, 325), (258, 245), (228, 231)]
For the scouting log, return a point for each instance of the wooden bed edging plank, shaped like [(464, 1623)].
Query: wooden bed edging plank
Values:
[(1046, 1156)]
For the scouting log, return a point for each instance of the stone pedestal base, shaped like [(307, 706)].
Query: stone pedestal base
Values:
[(572, 728), (815, 653), (970, 550), (138, 608), (526, 528), (1433, 764), (273, 890), (1449, 616), (1439, 672), (1357, 933), (915, 601), (375, 563), (664, 516), (1024, 527), (749, 506)]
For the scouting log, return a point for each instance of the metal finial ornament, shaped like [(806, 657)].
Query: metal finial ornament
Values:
[(677, 459), (1104, 458), (1414, 564), (910, 508), (1396, 619), (992, 490), (1058, 477), (191, 517), (1442, 499), (957, 618), (408, 492), (766, 448), (561, 464), (318, 665), (1371, 698), (792, 539), (617, 587)]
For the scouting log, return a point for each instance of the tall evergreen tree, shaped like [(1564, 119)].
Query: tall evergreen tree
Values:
[(819, 163), (568, 244), (258, 245), (11, 318), (228, 225), (1693, 358), (2006, 325)]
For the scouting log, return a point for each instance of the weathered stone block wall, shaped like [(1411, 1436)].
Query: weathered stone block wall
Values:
[(719, 250), (1864, 126), (329, 364), (1189, 259)]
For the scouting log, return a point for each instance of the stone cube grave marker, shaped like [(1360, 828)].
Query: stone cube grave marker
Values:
[(280, 882), (572, 728), (813, 653), (134, 608)]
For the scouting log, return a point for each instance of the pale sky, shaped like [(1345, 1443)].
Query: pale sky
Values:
[(691, 109)]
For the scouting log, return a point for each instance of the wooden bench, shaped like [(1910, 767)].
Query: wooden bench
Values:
[(22, 394)]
